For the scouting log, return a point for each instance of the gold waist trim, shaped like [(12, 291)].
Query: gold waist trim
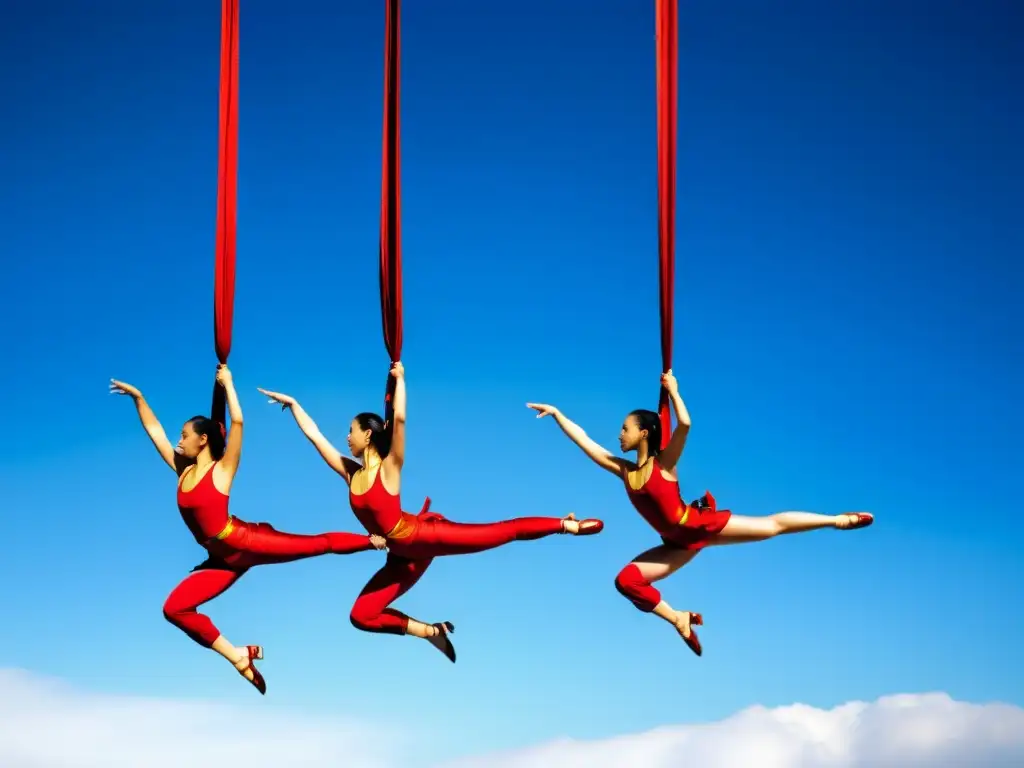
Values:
[(403, 529), (228, 530)]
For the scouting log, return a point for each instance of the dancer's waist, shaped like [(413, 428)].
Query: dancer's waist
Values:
[(207, 531), (692, 512), (408, 524), (663, 521), (227, 530), (404, 528)]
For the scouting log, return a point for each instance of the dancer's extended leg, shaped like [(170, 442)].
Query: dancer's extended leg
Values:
[(437, 537), (742, 530), (266, 545)]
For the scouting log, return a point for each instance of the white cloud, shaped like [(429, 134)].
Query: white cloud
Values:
[(45, 724), (909, 731)]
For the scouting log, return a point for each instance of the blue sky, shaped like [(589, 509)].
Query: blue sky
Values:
[(846, 339)]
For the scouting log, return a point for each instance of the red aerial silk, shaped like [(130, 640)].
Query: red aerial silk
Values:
[(390, 201), (227, 186), (667, 57)]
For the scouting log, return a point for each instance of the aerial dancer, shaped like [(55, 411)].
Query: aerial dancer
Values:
[(652, 484), (413, 540), (205, 460)]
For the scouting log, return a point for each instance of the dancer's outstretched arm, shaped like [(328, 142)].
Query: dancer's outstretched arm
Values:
[(149, 422), (343, 465), (601, 456), (669, 457)]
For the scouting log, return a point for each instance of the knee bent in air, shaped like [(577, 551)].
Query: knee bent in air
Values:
[(628, 579), (362, 620), (170, 615)]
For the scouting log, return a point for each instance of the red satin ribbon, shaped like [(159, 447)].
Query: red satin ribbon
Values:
[(227, 185), (390, 199), (667, 58)]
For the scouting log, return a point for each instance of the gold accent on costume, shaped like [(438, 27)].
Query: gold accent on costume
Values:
[(642, 473), (228, 530), (686, 514), (404, 528), (364, 478)]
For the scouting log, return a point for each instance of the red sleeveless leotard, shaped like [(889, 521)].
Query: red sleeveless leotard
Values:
[(378, 511), (204, 509), (683, 525)]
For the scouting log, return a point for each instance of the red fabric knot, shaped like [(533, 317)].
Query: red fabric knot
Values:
[(223, 429)]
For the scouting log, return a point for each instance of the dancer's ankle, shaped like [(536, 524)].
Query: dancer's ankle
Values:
[(419, 629)]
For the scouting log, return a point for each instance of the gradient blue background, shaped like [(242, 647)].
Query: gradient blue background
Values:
[(848, 336)]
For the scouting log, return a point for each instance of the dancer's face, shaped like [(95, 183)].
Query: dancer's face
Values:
[(631, 435), (358, 439), (191, 443)]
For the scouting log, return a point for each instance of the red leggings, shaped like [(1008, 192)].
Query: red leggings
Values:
[(249, 545), (634, 587), (434, 537)]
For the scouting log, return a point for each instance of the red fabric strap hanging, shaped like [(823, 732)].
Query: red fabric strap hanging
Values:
[(667, 36), (227, 185), (390, 200)]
